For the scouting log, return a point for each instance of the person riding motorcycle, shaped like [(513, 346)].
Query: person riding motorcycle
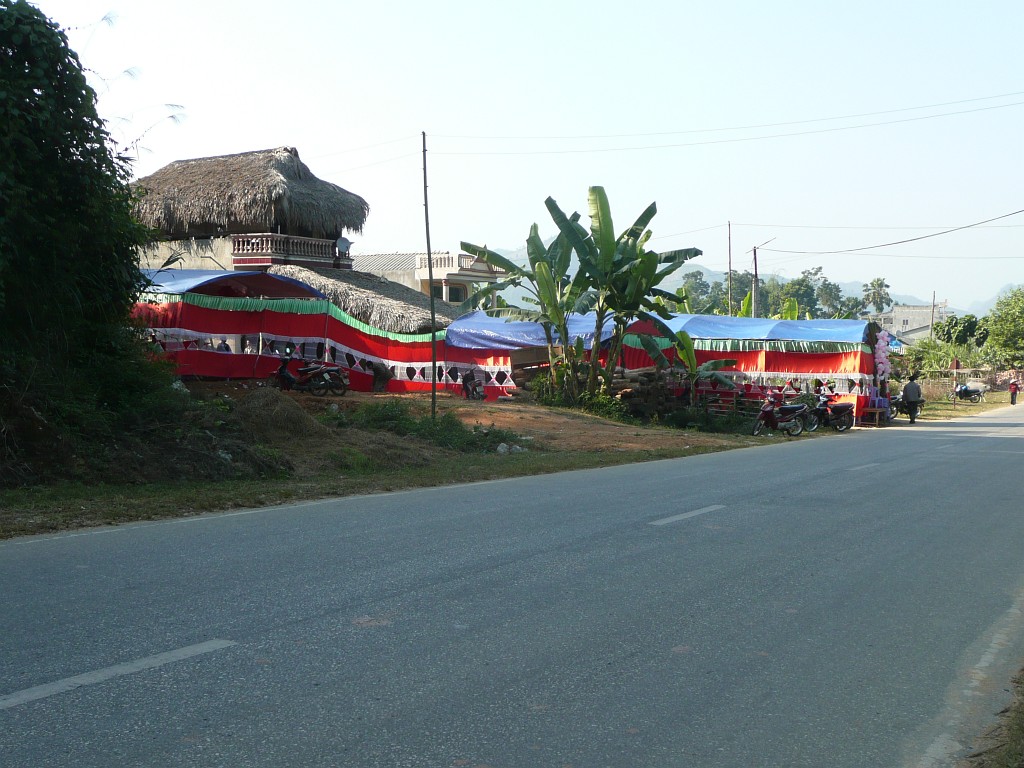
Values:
[(912, 396)]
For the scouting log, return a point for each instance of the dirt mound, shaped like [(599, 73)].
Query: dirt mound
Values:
[(270, 416)]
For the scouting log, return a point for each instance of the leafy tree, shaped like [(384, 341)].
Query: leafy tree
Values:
[(741, 285), (876, 294), (957, 330), (550, 291), (850, 306), (68, 249), (718, 297), (1005, 325), (772, 297), (829, 296), (696, 291), (621, 275), (686, 357), (68, 265), (803, 290)]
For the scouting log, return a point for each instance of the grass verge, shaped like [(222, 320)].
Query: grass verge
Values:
[(47, 509)]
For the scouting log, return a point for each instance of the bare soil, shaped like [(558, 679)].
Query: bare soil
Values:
[(278, 418)]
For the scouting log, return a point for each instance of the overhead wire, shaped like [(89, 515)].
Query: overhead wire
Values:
[(744, 127), (722, 141), (896, 242)]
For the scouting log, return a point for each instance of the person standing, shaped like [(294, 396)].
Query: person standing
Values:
[(912, 396), (1014, 389)]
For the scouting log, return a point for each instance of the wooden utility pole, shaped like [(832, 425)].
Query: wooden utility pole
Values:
[(430, 281)]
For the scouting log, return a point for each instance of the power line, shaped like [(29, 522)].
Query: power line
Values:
[(897, 242), (813, 226), (744, 127), (360, 149), (727, 141)]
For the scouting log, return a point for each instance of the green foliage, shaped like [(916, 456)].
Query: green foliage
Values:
[(447, 431), (606, 406), (68, 252), (68, 265), (696, 417), (621, 276), (550, 290), (933, 356), (1005, 327), (876, 294), (958, 330), (686, 358)]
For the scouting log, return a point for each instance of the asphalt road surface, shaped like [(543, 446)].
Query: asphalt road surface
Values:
[(851, 601)]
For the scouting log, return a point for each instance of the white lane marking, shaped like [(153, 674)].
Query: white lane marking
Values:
[(687, 515), (863, 466), (118, 670)]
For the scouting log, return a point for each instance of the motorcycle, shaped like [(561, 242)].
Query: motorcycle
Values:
[(828, 413), (898, 405), (774, 414), (310, 378), (337, 378), (963, 392), (471, 387)]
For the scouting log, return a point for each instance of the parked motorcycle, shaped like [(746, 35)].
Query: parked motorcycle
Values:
[(337, 378), (963, 392), (309, 378), (471, 386), (897, 405), (774, 414), (829, 413)]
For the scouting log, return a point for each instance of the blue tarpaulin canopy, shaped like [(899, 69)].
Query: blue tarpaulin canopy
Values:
[(760, 329), (215, 282), (478, 330)]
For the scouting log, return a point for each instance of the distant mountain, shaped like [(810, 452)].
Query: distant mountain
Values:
[(978, 308)]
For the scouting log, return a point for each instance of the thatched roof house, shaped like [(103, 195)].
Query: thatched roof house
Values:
[(269, 190), (374, 300)]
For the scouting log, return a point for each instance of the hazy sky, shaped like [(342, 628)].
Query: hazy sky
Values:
[(818, 126)]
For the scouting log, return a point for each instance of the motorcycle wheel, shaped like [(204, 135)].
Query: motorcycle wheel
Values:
[(811, 421), (758, 427), (844, 422), (975, 398), (338, 387), (795, 428), (319, 387), (951, 397)]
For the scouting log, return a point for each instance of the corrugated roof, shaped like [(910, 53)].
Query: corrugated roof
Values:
[(389, 262)]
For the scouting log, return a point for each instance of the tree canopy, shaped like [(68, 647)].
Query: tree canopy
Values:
[(68, 260), (1005, 326)]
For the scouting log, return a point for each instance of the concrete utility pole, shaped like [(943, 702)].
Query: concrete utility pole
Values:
[(755, 289), (729, 273)]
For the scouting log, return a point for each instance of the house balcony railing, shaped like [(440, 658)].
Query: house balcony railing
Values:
[(459, 262), (283, 245)]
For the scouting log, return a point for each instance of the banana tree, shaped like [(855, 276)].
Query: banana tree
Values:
[(550, 292), (686, 357), (618, 277)]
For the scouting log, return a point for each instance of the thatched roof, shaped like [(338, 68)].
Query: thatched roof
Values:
[(269, 190), (373, 300)]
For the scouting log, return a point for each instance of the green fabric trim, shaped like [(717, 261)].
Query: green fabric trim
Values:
[(294, 307), (756, 345)]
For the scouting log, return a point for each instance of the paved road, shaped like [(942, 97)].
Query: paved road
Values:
[(850, 601)]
